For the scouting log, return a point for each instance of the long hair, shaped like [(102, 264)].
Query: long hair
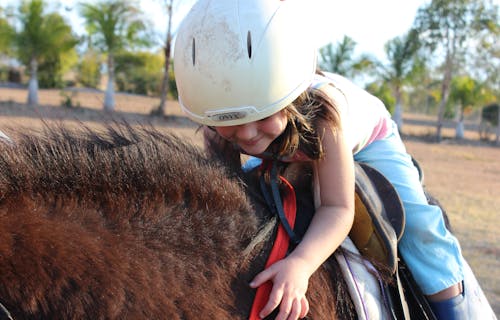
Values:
[(308, 116)]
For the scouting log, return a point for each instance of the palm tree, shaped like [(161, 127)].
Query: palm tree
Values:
[(6, 34), (451, 29), (113, 26), (166, 51), (40, 36), (467, 93), (340, 59), (400, 52)]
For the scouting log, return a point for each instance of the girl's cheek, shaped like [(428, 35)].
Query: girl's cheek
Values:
[(224, 132)]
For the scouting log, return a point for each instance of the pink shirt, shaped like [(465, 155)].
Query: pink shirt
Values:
[(364, 117)]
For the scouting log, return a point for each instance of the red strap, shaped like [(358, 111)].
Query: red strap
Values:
[(278, 252)]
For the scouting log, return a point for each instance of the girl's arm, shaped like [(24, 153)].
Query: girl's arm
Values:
[(334, 174)]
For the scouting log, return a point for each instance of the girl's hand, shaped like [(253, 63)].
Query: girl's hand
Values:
[(290, 281)]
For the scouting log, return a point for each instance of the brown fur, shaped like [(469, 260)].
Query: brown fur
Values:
[(132, 224)]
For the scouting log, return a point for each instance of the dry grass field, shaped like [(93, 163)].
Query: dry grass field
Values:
[(464, 176)]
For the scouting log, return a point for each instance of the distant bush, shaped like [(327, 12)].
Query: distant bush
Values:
[(489, 119), (139, 73), (89, 70), (9, 74), (383, 92)]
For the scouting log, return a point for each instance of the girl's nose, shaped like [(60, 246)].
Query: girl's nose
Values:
[(245, 131)]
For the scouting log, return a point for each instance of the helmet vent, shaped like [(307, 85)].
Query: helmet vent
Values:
[(193, 52), (249, 44)]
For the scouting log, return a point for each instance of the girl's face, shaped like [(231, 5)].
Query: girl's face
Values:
[(255, 137)]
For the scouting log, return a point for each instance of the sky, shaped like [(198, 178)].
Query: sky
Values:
[(370, 23)]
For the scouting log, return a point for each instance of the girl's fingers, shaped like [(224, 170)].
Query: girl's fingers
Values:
[(304, 309), (261, 278), (296, 310), (274, 301), (285, 308)]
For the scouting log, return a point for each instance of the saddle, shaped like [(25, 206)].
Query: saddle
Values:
[(377, 228), (379, 217)]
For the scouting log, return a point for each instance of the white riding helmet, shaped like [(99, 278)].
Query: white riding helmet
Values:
[(238, 61)]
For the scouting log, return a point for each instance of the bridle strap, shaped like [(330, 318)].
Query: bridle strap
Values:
[(275, 204), (4, 313), (288, 209)]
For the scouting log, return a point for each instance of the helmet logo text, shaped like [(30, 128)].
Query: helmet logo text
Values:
[(228, 116)]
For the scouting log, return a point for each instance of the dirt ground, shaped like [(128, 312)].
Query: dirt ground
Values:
[(463, 175)]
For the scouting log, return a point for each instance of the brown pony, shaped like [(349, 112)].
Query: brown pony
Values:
[(131, 223)]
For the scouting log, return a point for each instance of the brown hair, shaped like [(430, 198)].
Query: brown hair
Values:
[(307, 117)]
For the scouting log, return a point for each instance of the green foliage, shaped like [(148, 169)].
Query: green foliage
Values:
[(382, 91), (42, 34), (45, 39), (139, 73), (444, 23), (68, 99), (114, 25), (489, 114), (7, 34), (340, 59), (401, 52), (464, 34), (89, 70), (49, 75), (469, 93), (171, 81), (485, 61)]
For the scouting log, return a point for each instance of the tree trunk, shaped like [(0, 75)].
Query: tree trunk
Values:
[(109, 98), (445, 88), (33, 83), (398, 112), (497, 141), (167, 49), (165, 82), (459, 130)]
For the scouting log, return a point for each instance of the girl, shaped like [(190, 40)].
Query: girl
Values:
[(246, 69)]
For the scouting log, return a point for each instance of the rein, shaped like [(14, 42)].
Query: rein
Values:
[(4, 313), (286, 211)]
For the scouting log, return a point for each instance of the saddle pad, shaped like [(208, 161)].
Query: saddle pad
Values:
[(379, 217), (363, 283)]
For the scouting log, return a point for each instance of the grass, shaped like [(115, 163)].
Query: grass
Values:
[(463, 175)]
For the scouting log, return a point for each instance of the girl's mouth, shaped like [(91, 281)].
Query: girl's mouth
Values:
[(249, 143)]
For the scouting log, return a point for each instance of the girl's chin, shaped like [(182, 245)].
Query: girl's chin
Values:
[(253, 150)]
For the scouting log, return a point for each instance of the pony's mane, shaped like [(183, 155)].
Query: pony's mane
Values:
[(120, 166), (112, 193)]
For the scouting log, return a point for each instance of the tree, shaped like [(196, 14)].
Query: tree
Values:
[(448, 27), (41, 36), (167, 49), (113, 26), (6, 41), (466, 93), (89, 73), (381, 90), (139, 72), (6, 34), (400, 52), (486, 60), (340, 59)]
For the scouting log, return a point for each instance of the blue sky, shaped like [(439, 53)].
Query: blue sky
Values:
[(370, 23)]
